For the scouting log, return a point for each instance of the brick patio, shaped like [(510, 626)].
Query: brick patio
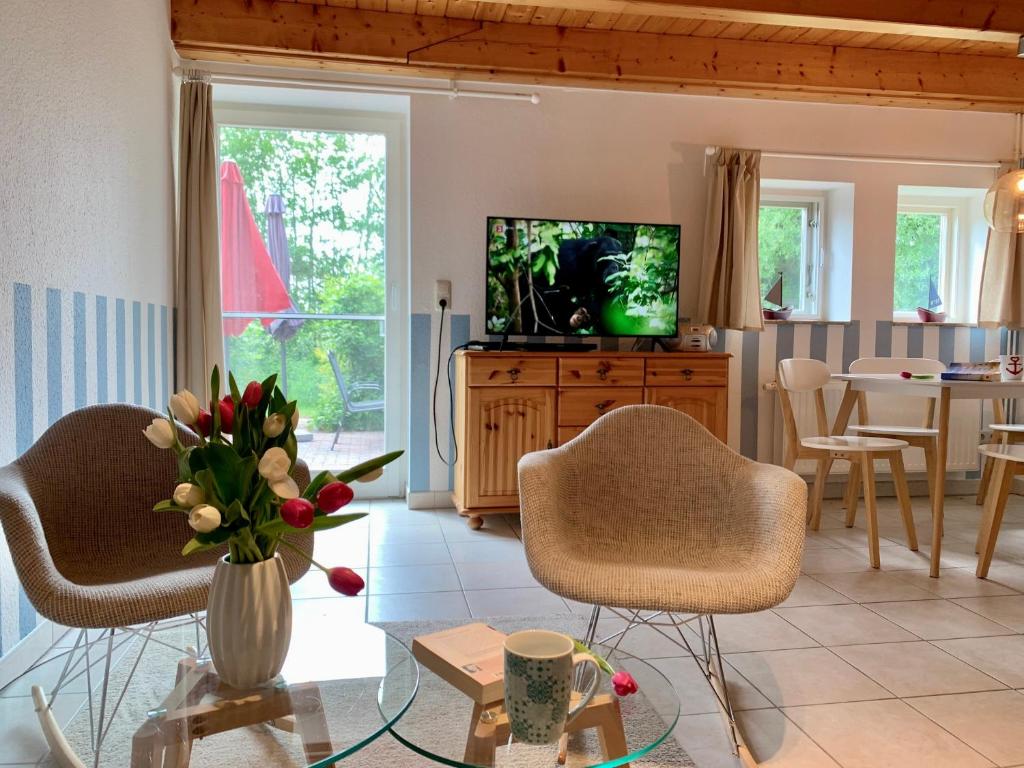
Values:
[(352, 448)]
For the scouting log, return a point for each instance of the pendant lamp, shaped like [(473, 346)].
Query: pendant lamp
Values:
[(1004, 201)]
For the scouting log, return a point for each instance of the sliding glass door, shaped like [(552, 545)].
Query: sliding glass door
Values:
[(312, 267)]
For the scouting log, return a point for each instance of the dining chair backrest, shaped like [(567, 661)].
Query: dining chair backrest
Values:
[(916, 365), (801, 375)]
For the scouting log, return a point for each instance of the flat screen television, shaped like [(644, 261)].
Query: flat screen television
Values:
[(581, 278)]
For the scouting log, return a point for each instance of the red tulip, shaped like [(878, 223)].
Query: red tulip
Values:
[(346, 581), (333, 497), (253, 394), (298, 513), (624, 684), (227, 413), (205, 423)]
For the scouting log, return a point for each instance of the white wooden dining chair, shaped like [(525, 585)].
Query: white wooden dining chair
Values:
[(1007, 462), (800, 375), (1002, 434), (924, 435)]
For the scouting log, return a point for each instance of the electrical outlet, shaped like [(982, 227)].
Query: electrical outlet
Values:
[(443, 291)]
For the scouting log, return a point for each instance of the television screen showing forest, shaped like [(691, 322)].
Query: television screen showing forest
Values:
[(581, 278)]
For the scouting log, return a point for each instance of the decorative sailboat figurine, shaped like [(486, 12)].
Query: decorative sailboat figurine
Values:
[(932, 314), (774, 296)]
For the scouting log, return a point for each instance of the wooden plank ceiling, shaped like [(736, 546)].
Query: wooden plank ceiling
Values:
[(941, 53)]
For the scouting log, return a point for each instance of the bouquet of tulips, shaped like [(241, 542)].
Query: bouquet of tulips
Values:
[(237, 486)]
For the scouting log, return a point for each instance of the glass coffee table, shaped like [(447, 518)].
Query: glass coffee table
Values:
[(446, 726), (165, 706)]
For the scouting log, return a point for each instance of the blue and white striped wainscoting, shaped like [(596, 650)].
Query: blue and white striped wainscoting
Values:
[(63, 350), (755, 355)]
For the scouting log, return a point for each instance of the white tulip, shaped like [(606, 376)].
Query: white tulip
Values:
[(285, 488), (370, 476), (275, 464), (185, 407), (188, 495), (273, 425), (295, 418), (160, 433), (204, 518)]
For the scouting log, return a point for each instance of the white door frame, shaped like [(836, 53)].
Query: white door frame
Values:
[(394, 126)]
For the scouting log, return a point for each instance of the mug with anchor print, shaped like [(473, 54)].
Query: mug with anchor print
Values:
[(539, 673), (1011, 367)]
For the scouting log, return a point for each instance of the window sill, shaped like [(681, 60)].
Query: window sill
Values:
[(947, 323), (808, 321)]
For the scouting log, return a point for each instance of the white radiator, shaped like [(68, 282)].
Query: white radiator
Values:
[(964, 426)]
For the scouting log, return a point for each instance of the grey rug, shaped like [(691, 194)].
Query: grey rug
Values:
[(437, 720)]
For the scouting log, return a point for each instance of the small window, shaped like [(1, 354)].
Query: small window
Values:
[(788, 243), (924, 238)]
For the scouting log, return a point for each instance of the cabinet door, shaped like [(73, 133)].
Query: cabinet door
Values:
[(708, 405), (504, 423)]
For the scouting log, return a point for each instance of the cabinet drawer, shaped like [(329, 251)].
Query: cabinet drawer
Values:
[(505, 371), (579, 407), (565, 434), (670, 371), (599, 371)]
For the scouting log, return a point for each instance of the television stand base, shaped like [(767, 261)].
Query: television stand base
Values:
[(529, 346)]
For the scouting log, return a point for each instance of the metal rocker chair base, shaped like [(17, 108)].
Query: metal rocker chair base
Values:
[(79, 662), (708, 660)]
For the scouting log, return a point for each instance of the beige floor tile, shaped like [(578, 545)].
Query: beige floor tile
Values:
[(408, 554), (696, 696), (989, 722), (1007, 610), (315, 584), (493, 550), (22, 738), (495, 527), (916, 669), (496, 575), (426, 606), (874, 586), (954, 582), (645, 642), (385, 535), (762, 631), (407, 579), (706, 741), (882, 734), (531, 601), (1000, 657), (1008, 575), (837, 560), (776, 742), (857, 539), (844, 625), (810, 591), (938, 619), (805, 676)]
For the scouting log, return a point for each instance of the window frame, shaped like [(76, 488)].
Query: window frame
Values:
[(949, 279), (813, 251)]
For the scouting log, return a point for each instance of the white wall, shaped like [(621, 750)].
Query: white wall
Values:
[(86, 219), (621, 156)]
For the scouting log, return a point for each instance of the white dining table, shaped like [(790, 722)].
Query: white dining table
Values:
[(942, 392)]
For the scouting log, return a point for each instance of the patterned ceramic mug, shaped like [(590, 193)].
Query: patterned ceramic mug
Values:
[(539, 667)]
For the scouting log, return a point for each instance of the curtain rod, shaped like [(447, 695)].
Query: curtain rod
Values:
[(871, 159), (342, 86)]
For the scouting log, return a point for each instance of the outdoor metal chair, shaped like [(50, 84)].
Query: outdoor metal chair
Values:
[(347, 390)]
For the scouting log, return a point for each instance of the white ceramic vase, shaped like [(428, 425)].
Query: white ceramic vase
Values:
[(249, 621)]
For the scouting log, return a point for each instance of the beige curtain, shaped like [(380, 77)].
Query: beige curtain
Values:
[(1001, 299), (199, 344), (730, 284)]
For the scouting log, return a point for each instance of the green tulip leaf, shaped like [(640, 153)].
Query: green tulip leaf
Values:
[(350, 475), (604, 665), (234, 387), (204, 541), (318, 482), (168, 505), (225, 465), (279, 527)]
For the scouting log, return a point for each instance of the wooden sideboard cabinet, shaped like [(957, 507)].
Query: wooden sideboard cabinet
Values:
[(511, 403)]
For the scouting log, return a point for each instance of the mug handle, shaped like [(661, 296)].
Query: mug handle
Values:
[(577, 659)]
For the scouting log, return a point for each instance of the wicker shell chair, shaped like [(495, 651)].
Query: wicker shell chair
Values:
[(647, 511), (76, 509)]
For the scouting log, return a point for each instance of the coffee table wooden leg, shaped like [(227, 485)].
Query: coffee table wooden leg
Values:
[(939, 496), (311, 723), (482, 740), (147, 747), (611, 733)]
